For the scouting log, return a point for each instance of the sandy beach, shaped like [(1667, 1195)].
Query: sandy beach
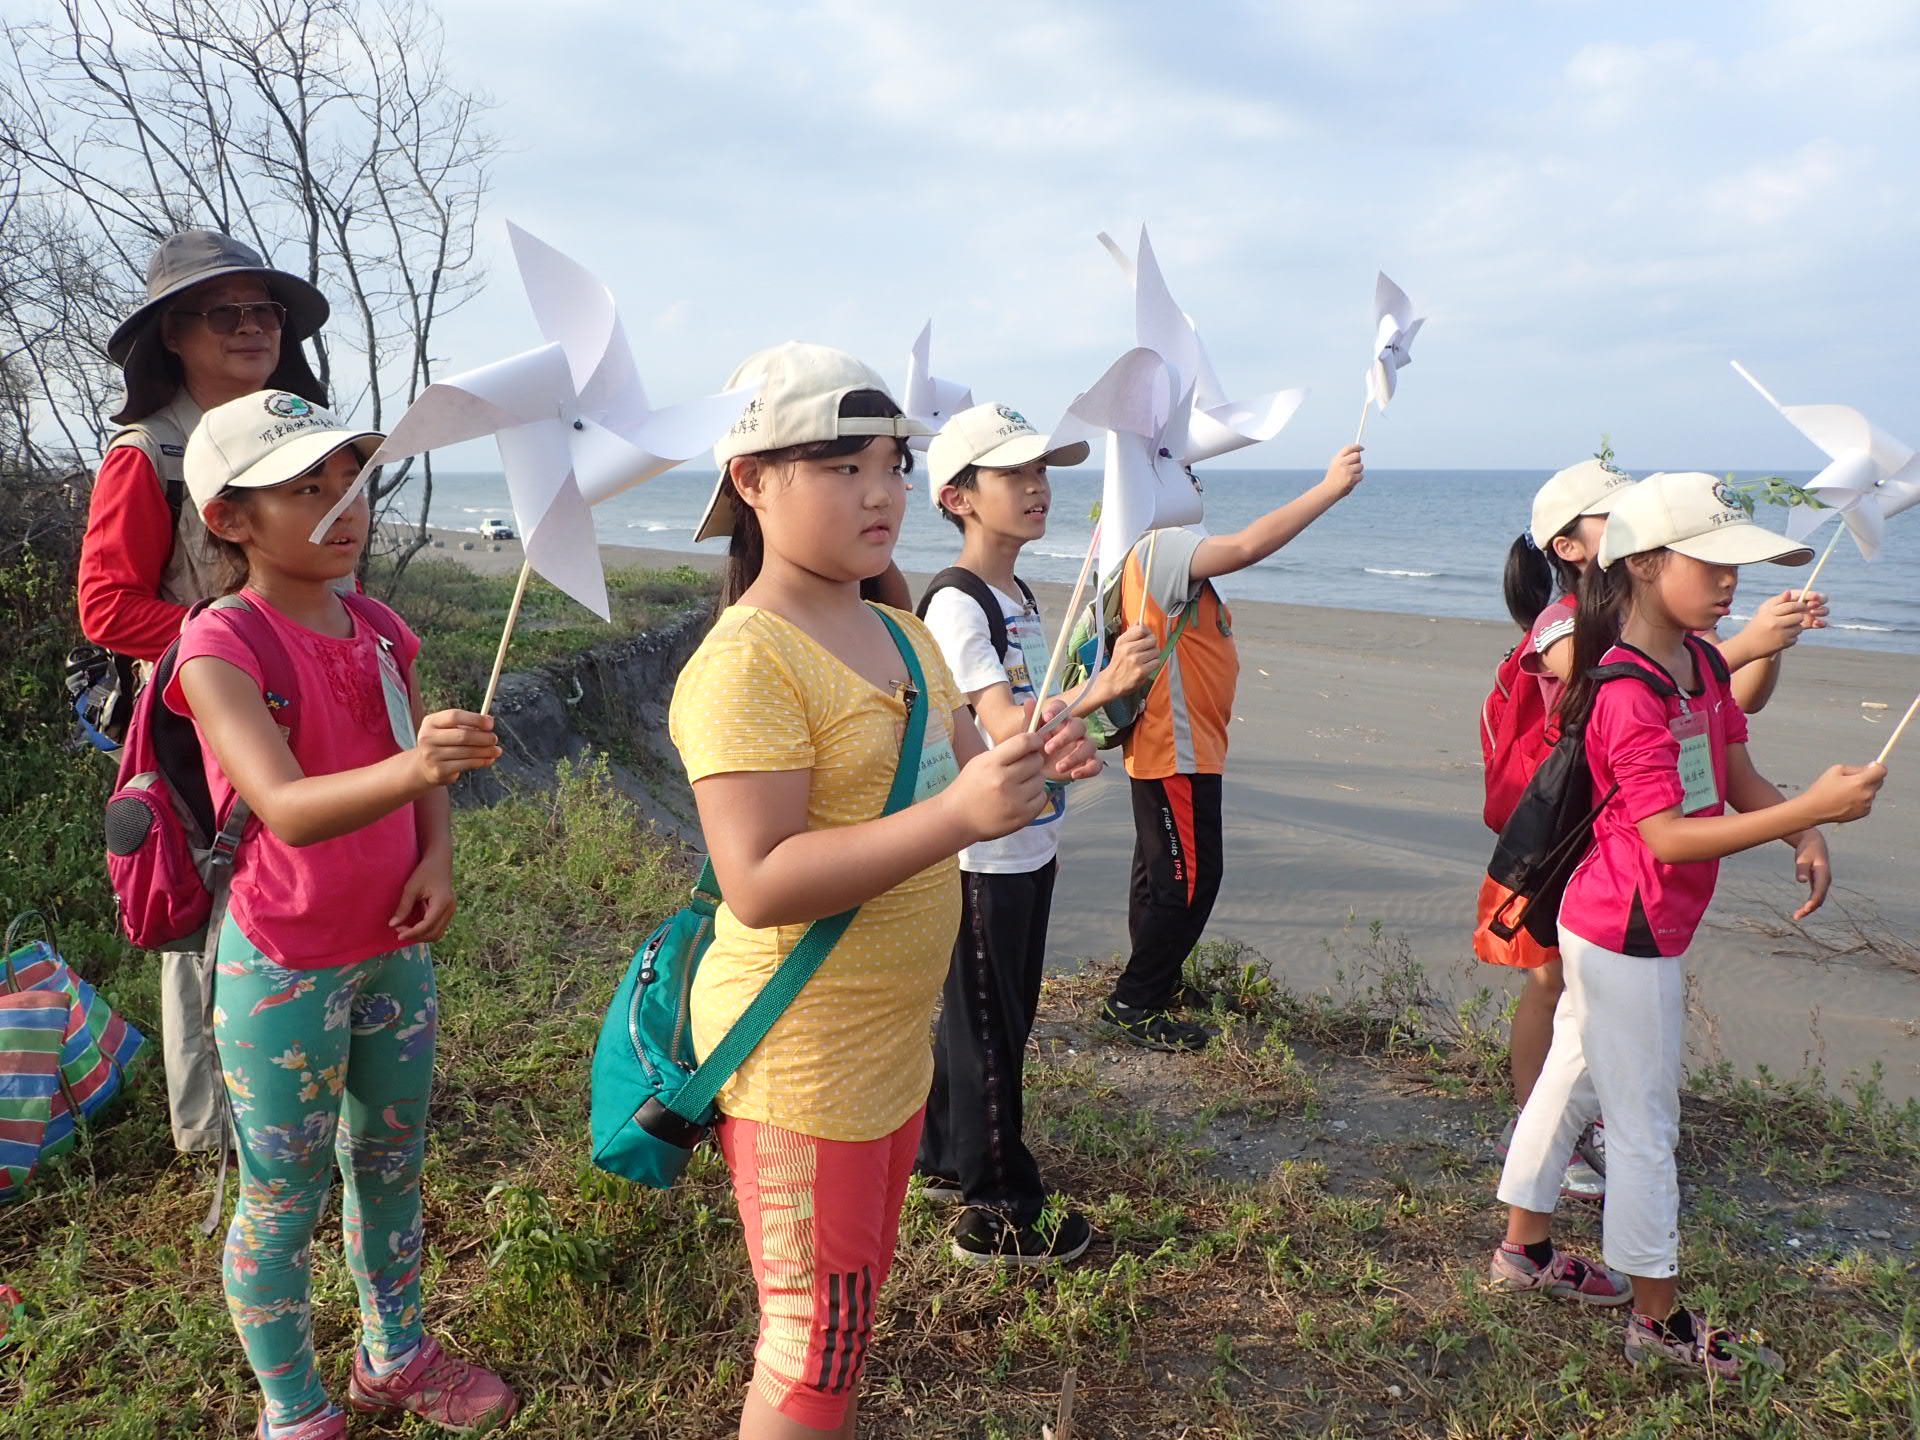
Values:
[(1354, 790)]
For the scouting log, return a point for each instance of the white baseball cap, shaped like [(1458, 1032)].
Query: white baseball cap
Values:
[(798, 403), (994, 437), (1590, 488), (1697, 515), (266, 438)]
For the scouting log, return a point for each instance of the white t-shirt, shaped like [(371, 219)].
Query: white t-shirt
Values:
[(960, 627)]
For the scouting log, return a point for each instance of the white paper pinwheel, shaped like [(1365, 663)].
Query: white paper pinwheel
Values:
[(1144, 487), (1394, 326), (570, 419), (930, 400), (1209, 423), (1869, 478)]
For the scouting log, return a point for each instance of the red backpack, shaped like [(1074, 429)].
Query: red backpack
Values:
[(1514, 737), (168, 853)]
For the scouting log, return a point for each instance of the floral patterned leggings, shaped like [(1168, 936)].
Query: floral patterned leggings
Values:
[(323, 1065)]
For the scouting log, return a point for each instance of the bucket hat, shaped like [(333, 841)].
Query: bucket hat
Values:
[(180, 262)]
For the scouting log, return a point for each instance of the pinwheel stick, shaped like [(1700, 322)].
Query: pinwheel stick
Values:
[(1898, 731), (1366, 409), (1066, 632), (500, 655), (1825, 555)]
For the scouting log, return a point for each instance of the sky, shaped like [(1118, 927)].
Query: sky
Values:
[(1597, 205)]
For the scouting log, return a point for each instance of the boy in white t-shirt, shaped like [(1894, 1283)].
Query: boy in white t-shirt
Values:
[(988, 475)]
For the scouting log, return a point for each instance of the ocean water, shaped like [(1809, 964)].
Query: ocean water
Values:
[(1419, 542)]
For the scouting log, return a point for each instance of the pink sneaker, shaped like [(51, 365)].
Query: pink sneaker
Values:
[(434, 1384), (1564, 1277), (330, 1424), (1721, 1353)]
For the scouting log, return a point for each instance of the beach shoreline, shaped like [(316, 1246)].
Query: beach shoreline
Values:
[(1353, 796)]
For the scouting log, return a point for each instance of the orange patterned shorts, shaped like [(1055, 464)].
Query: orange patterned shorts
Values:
[(821, 1219)]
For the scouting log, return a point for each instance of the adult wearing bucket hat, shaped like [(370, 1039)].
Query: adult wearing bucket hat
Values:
[(217, 323)]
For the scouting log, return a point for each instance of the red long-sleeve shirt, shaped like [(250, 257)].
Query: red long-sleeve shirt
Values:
[(124, 558)]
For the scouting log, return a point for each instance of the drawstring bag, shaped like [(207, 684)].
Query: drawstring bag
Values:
[(63, 1054)]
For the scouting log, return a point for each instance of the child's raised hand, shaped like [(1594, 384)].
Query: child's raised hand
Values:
[(1813, 869), (1345, 472), (1132, 661), (1069, 754), (1845, 792), (1000, 790), (452, 742), (1782, 619)]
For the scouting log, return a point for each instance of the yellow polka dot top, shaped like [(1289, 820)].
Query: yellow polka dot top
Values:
[(850, 1059)]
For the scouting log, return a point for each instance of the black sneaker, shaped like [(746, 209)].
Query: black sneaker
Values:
[(939, 1189), (1189, 996), (983, 1238), (1155, 1029)]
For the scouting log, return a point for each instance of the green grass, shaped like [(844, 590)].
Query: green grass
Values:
[(1307, 1301), (458, 615)]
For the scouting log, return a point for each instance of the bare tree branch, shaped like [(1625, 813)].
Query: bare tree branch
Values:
[(329, 134)]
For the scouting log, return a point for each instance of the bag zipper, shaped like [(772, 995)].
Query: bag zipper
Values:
[(633, 1006), (684, 1010)]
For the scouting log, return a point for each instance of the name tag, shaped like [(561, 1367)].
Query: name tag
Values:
[(938, 768), (393, 689), (1700, 790)]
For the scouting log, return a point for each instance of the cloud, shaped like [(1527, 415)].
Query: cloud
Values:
[(1596, 204)]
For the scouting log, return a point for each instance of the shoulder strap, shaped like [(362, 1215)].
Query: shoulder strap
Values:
[(381, 620), (276, 666), (1716, 662), (958, 577), (698, 1094)]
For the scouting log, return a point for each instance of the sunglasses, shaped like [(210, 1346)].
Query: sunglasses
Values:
[(267, 315)]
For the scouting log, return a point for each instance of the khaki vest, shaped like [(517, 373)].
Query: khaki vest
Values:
[(162, 438)]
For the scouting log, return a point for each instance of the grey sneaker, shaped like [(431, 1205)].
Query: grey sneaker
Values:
[(1592, 1146)]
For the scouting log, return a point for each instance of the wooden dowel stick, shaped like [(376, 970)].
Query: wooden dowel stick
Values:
[(1898, 731), (1066, 632), (1821, 564), (1146, 578), (1366, 409), (500, 656)]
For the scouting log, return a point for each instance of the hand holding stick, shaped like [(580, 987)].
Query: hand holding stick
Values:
[(1066, 630)]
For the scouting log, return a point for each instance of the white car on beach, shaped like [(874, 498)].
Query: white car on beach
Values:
[(496, 530)]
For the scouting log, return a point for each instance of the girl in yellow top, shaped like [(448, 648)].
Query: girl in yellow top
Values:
[(788, 719)]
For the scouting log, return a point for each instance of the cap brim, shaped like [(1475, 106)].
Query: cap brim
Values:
[(1025, 449), (718, 520), (295, 458), (1743, 545)]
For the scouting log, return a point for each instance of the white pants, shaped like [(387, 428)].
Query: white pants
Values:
[(1618, 1037)]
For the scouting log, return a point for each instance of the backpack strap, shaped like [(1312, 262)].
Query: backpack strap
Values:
[(277, 684), (696, 1097), (958, 577), (381, 620), (1716, 662)]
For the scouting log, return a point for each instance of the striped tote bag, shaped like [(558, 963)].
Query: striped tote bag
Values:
[(64, 1054)]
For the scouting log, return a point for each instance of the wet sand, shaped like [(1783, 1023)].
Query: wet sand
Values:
[(1354, 789)]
